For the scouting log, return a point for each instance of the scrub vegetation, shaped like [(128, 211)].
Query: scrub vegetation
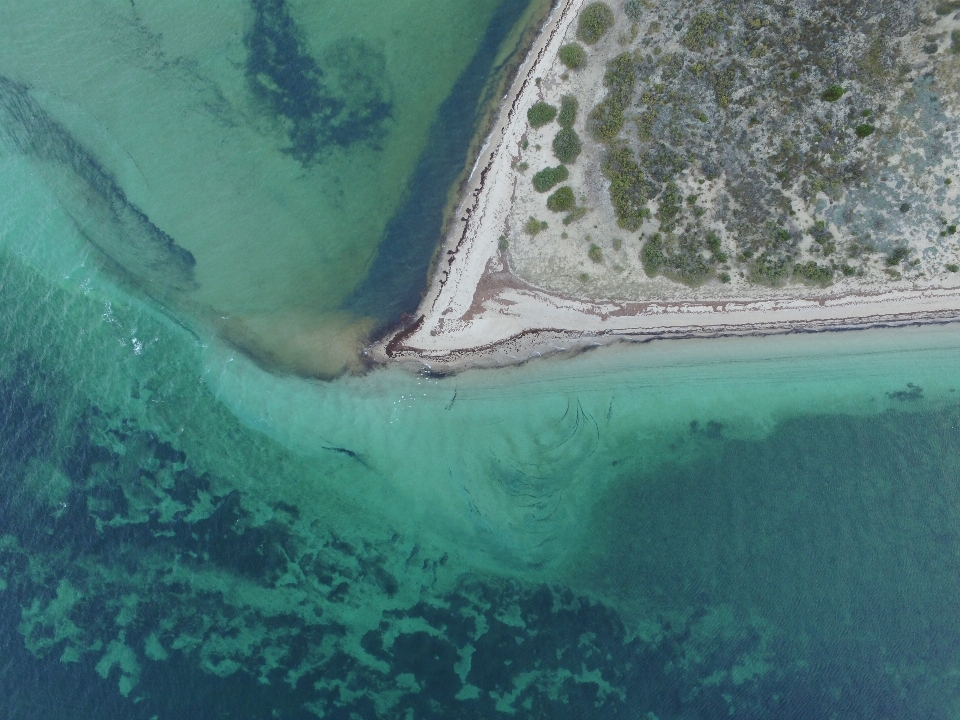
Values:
[(755, 141), (568, 111), (541, 114), (595, 19), (567, 145), (561, 200), (573, 56), (548, 177), (534, 226)]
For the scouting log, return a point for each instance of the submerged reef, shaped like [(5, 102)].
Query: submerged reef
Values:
[(336, 100)]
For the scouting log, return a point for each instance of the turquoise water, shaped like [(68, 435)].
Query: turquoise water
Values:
[(753, 527)]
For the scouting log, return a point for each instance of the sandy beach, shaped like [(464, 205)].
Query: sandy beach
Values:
[(478, 312)]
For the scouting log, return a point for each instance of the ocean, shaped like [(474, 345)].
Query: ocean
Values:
[(200, 202)]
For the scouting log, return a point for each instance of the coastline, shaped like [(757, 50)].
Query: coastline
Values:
[(478, 313)]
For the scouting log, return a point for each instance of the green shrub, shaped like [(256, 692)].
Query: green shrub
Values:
[(540, 114), (955, 41), (713, 242), (503, 243), (567, 145), (652, 256), (573, 56), (953, 267), (575, 214), (724, 277), (561, 200), (945, 8), (670, 206), (723, 83), (534, 226), (701, 33), (833, 93), (678, 259), (627, 190), (606, 119), (812, 273), (595, 20), (864, 130), (897, 256), (568, 111), (548, 177), (595, 253), (634, 10), (620, 77), (768, 270)]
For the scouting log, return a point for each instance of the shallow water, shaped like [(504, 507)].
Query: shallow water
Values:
[(753, 527), (250, 162)]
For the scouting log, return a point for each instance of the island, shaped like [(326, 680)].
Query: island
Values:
[(667, 169)]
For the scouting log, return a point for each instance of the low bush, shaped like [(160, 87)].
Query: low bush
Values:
[(533, 226), (864, 130), (567, 145), (606, 119), (897, 256), (670, 206), (595, 20), (652, 256), (812, 273), (713, 242), (833, 93), (548, 177), (724, 81), (953, 267), (568, 111), (767, 270), (540, 114), (634, 10), (575, 214), (679, 259), (595, 253), (627, 189), (561, 200), (573, 56), (701, 32)]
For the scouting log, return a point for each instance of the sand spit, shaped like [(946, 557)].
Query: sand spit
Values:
[(478, 313)]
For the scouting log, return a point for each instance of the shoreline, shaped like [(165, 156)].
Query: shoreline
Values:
[(477, 313)]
